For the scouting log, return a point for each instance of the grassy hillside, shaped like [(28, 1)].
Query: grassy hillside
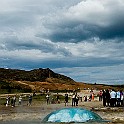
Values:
[(14, 81), (33, 75)]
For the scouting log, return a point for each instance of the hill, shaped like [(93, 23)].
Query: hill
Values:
[(33, 75), (14, 80)]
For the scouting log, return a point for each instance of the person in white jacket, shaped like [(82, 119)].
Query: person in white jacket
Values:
[(113, 98)]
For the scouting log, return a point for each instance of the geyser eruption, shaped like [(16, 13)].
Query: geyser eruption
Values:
[(72, 115)]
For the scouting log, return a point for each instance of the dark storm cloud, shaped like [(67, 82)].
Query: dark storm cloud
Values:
[(86, 31), (66, 36), (111, 32), (85, 20), (60, 63), (71, 34)]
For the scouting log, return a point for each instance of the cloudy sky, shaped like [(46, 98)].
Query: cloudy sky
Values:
[(82, 39)]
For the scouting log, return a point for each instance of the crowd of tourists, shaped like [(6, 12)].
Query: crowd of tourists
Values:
[(111, 97), (108, 97), (75, 99), (13, 100), (57, 99)]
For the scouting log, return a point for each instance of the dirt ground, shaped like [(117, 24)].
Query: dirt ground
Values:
[(38, 110)]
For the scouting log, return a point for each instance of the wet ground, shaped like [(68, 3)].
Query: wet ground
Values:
[(34, 114)]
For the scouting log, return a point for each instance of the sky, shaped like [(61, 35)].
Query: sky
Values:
[(81, 39)]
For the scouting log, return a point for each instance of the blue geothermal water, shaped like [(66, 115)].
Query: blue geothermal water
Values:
[(72, 115)]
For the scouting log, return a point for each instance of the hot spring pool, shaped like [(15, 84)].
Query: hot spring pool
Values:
[(73, 115)]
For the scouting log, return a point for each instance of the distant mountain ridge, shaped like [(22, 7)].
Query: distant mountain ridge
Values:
[(32, 75)]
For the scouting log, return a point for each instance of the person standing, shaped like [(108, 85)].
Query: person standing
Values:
[(118, 96), (77, 99), (57, 98), (104, 98), (30, 100), (113, 98), (73, 99), (14, 101), (100, 95), (122, 98), (66, 99), (7, 100), (20, 100), (90, 97), (85, 98), (47, 98), (108, 97)]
